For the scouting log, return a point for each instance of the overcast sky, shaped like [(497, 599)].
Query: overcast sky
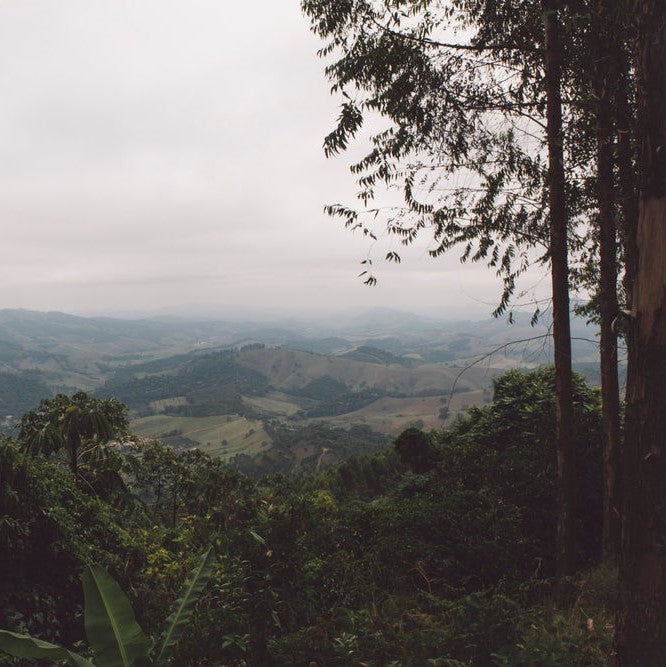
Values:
[(167, 154)]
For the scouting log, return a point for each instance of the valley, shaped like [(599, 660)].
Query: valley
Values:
[(246, 392)]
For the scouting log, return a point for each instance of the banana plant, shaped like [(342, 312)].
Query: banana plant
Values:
[(115, 637)]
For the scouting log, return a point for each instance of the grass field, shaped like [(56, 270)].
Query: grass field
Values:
[(392, 415), (219, 435), (274, 403)]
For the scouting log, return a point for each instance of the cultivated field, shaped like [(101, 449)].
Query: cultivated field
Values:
[(218, 435)]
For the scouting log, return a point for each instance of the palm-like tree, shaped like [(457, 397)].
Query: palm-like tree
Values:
[(39, 438), (70, 423)]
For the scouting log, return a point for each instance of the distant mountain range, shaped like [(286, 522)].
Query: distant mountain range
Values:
[(148, 362)]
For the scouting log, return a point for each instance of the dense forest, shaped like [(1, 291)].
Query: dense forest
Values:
[(437, 548)]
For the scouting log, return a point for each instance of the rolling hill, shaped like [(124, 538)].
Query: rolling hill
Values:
[(218, 384)]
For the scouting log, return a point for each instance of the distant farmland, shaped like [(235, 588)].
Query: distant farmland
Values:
[(218, 435), (392, 415)]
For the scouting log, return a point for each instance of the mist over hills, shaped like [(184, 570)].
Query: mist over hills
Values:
[(231, 386)]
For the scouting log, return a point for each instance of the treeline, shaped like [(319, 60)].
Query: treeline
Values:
[(438, 548)]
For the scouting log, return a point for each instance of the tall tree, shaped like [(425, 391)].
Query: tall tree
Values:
[(641, 622), (601, 120), (626, 157), (559, 259), (604, 77)]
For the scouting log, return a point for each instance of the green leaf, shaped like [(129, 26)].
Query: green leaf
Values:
[(179, 618), (113, 633), (258, 537), (23, 646)]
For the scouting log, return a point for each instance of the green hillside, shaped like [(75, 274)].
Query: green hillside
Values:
[(220, 436), (212, 384), (195, 369)]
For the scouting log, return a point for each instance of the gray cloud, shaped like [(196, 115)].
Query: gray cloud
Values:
[(163, 152)]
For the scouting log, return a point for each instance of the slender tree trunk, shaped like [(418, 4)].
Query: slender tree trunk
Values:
[(560, 289), (624, 123), (628, 201), (610, 391), (641, 622)]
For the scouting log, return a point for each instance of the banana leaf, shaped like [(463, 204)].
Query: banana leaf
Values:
[(115, 637), (23, 646), (177, 621)]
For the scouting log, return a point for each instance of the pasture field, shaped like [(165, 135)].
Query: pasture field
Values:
[(223, 436), (392, 415), (275, 403)]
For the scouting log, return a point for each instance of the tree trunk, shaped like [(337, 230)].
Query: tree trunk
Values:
[(560, 290), (602, 35), (628, 200), (641, 623), (624, 121)]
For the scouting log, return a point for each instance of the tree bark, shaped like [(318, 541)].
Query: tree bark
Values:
[(641, 622), (624, 124), (560, 293), (628, 204), (602, 35)]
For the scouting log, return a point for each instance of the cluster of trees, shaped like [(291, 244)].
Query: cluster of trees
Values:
[(212, 383), (535, 130), (437, 549), (309, 448)]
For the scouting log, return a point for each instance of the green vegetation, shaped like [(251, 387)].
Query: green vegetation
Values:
[(273, 404), (391, 415), (212, 384), (224, 436), (311, 447), (439, 548), (343, 403), (77, 424), (111, 628), (246, 381), (323, 388)]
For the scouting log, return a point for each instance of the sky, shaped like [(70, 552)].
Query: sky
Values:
[(163, 156)]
